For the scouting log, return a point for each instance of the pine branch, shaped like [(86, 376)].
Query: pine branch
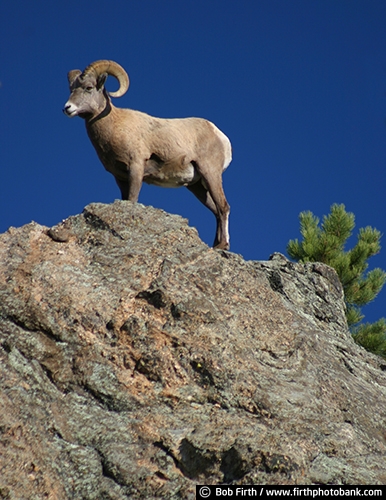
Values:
[(327, 244)]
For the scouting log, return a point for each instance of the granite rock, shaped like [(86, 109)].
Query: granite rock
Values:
[(137, 362)]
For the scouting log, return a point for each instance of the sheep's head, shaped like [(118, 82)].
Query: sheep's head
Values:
[(88, 95)]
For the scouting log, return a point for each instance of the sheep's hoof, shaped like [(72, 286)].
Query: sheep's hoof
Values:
[(222, 246)]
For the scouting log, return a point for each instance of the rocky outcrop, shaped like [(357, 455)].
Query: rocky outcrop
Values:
[(136, 362)]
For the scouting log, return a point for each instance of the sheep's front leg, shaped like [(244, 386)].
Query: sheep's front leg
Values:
[(124, 188), (135, 183), (131, 187)]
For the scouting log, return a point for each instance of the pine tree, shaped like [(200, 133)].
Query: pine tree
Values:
[(326, 243)]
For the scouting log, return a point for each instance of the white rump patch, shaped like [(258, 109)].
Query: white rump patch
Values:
[(227, 146)]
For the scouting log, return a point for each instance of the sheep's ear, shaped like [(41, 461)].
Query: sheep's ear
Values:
[(101, 80)]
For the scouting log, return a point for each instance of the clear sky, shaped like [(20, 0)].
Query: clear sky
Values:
[(299, 86)]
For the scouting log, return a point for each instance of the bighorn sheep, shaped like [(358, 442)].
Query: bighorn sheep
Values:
[(137, 147)]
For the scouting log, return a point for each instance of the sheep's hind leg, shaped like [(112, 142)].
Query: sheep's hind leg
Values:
[(204, 195)]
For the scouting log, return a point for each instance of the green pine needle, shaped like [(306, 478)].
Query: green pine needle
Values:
[(326, 243)]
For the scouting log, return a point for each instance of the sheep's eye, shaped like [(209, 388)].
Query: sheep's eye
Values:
[(89, 88)]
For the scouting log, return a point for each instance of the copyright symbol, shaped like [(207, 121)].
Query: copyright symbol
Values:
[(204, 492)]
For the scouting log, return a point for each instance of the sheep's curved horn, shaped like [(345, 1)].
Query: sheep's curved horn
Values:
[(72, 75), (111, 68)]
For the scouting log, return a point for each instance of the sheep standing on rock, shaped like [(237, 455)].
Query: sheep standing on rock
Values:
[(137, 147)]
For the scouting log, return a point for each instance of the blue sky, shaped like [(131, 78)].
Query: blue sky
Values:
[(299, 86)]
